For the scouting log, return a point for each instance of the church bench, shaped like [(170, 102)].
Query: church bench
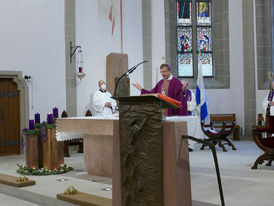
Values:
[(220, 118)]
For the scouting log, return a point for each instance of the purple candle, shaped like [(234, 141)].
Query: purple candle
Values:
[(37, 118), (55, 112), (50, 119), (31, 124)]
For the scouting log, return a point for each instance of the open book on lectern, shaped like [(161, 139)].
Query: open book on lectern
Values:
[(167, 100)]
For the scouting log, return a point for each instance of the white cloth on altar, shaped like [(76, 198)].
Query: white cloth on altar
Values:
[(99, 100), (63, 136), (193, 127), (265, 105)]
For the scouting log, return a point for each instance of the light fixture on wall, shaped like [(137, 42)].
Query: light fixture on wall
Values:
[(79, 73), (27, 78), (79, 64)]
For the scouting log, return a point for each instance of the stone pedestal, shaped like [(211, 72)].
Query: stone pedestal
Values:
[(98, 154), (116, 65)]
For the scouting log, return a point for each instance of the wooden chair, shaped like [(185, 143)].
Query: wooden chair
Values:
[(260, 120), (264, 139), (220, 118), (217, 137)]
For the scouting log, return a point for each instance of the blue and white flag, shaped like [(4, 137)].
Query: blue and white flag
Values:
[(201, 95)]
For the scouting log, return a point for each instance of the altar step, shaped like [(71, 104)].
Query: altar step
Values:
[(15, 181), (40, 199), (32, 196)]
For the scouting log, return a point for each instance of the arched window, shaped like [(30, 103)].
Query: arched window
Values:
[(194, 37)]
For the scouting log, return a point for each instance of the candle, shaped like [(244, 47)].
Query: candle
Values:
[(31, 124), (50, 119), (55, 112), (37, 118)]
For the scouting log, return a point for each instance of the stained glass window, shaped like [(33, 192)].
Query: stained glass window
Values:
[(184, 13), (185, 39), (204, 40), (185, 68), (205, 60), (203, 13)]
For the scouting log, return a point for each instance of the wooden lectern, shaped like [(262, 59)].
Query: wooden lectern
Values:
[(149, 173)]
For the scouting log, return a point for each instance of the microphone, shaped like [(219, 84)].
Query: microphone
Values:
[(125, 74), (135, 67)]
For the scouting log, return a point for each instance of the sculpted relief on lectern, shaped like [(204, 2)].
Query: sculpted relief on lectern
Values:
[(141, 154)]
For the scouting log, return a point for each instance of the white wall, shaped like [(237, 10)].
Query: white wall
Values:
[(93, 33), (158, 38), (260, 94), (32, 41), (232, 100)]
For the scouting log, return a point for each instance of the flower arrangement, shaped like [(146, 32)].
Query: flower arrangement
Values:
[(23, 170)]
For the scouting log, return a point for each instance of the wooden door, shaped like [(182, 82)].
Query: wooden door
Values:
[(9, 118)]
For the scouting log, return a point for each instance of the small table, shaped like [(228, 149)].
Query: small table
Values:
[(193, 127)]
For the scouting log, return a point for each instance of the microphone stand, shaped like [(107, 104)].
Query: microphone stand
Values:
[(125, 74)]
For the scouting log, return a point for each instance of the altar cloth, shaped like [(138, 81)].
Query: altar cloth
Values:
[(193, 127)]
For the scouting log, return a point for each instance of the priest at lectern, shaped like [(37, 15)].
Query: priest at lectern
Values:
[(169, 86)]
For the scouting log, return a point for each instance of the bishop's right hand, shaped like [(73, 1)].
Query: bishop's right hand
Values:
[(137, 86)]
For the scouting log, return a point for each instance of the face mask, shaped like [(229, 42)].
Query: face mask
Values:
[(103, 86)]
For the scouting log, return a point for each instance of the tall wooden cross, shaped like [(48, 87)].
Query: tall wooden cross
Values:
[(112, 19)]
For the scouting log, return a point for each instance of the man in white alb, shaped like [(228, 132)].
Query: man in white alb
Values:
[(103, 104)]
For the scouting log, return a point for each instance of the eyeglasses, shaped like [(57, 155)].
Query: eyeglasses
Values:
[(164, 72)]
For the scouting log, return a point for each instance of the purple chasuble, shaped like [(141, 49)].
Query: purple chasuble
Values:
[(188, 97), (174, 92)]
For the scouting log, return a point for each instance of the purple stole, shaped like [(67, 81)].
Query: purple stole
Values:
[(270, 95), (174, 92)]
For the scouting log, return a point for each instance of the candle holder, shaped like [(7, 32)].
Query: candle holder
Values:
[(22, 179), (80, 75), (80, 63), (70, 191)]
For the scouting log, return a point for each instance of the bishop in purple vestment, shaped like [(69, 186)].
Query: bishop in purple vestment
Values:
[(169, 86)]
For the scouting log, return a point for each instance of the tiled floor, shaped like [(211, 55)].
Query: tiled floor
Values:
[(242, 186), (6, 200)]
